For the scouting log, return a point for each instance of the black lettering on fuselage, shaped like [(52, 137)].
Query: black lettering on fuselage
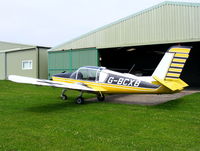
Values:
[(123, 81), (110, 80), (130, 82)]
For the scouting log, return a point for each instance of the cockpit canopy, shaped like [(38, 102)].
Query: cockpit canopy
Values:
[(88, 73)]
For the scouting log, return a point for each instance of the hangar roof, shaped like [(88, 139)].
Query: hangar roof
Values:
[(167, 22), (9, 47)]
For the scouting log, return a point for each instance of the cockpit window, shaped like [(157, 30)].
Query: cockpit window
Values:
[(73, 75), (87, 73)]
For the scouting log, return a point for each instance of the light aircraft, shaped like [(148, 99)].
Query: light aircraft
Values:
[(99, 80)]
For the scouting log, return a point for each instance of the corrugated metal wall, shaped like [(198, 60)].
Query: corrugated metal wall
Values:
[(2, 66), (168, 22), (70, 60), (43, 63), (14, 63)]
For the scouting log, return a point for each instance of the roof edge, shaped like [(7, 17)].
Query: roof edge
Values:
[(28, 45), (17, 43), (17, 49)]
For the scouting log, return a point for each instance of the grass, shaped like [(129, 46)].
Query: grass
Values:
[(33, 118)]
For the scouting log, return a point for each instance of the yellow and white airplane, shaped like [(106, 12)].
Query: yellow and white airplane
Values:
[(100, 80)]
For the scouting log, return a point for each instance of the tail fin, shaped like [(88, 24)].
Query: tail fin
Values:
[(171, 65)]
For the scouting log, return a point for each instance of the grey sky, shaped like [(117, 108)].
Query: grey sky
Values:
[(51, 22)]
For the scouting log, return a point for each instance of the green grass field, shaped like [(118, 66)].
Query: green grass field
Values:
[(33, 118)]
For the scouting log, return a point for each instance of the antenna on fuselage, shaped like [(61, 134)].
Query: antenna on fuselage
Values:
[(131, 68)]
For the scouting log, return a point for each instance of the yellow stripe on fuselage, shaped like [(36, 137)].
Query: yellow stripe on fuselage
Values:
[(108, 88)]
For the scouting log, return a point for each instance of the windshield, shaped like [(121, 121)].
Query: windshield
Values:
[(87, 73)]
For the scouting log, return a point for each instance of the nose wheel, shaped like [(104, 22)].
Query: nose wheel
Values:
[(63, 96)]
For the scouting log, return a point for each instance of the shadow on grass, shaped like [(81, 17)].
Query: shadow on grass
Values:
[(56, 106)]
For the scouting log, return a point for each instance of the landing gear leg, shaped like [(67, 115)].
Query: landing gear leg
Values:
[(63, 96), (100, 97), (80, 99)]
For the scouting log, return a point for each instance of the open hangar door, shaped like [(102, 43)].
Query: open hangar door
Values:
[(142, 60)]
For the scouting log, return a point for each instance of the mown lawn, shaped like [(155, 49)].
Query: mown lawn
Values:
[(33, 118)]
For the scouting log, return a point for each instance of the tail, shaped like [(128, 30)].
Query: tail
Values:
[(171, 66)]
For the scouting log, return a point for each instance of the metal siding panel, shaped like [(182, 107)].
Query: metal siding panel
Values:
[(152, 30), (75, 59), (183, 23), (170, 22), (2, 66), (128, 32), (173, 22), (71, 60), (14, 63), (50, 60), (43, 66), (84, 57), (58, 62), (195, 18)]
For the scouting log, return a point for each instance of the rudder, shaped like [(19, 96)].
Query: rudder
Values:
[(172, 63), (181, 54)]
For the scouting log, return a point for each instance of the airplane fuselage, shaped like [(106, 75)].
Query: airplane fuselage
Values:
[(114, 82)]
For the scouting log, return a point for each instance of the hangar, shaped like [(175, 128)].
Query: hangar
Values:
[(24, 60), (137, 41)]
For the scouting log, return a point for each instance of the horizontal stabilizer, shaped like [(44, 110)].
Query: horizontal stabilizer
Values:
[(172, 84)]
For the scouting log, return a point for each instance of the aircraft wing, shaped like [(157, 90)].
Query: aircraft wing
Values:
[(22, 79)]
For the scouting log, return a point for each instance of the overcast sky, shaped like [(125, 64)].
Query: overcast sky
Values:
[(51, 22)]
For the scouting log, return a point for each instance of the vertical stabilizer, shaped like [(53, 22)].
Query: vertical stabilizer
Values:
[(171, 65)]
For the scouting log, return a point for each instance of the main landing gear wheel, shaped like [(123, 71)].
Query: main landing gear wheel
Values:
[(80, 100), (100, 97)]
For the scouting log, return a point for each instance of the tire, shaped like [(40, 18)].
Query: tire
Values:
[(100, 98), (80, 100), (63, 97)]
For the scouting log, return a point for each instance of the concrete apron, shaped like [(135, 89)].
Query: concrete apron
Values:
[(145, 99)]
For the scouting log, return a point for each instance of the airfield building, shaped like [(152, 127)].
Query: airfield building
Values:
[(24, 60), (137, 41)]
